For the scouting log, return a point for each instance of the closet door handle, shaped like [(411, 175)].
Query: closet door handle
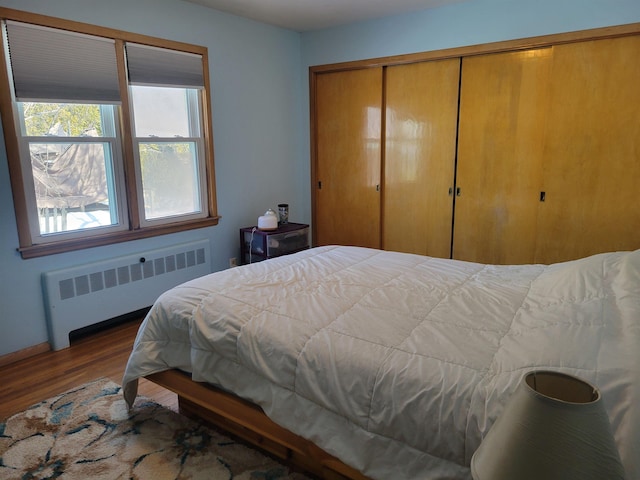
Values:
[(450, 191), (458, 193)]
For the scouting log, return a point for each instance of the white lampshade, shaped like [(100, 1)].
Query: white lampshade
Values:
[(554, 427)]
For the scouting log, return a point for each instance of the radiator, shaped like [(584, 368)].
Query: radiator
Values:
[(81, 296)]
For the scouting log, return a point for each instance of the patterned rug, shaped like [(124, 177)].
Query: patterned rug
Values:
[(87, 433)]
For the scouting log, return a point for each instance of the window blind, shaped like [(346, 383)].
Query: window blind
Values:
[(50, 64), (155, 66)]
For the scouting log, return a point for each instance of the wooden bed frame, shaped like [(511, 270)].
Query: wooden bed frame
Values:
[(248, 422)]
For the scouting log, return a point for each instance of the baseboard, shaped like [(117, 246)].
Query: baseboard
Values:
[(24, 353)]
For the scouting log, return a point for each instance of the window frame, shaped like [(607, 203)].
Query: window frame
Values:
[(117, 181), (195, 125), (135, 227)]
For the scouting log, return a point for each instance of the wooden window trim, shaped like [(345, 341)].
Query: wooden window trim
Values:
[(26, 246)]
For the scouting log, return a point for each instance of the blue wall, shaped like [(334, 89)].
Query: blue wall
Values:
[(256, 94), (466, 23), (461, 24), (260, 104)]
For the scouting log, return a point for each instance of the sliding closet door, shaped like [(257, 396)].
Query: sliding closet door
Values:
[(503, 103), (421, 106), (592, 156), (348, 118)]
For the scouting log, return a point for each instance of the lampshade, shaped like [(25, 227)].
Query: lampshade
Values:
[(554, 427)]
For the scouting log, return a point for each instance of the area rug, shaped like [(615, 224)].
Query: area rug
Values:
[(87, 433)]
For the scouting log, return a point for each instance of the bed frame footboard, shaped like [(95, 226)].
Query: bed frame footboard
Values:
[(248, 422)]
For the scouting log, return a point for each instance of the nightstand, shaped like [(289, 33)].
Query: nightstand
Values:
[(257, 245)]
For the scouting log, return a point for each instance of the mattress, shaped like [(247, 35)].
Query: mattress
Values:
[(399, 364)]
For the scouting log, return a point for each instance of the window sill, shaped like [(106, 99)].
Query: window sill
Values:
[(44, 249)]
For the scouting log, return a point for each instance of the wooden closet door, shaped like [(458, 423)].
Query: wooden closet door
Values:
[(348, 117), (592, 155), (421, 107), (503, 103)]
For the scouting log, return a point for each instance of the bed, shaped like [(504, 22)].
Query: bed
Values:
[(393, 365)]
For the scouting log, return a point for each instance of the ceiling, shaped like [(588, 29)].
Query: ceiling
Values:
[(306, 15)]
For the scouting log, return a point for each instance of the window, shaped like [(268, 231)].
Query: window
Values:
[(167, 144), (108, 138), (70, 151)]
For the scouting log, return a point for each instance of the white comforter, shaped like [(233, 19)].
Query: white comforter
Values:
[(398, 364)]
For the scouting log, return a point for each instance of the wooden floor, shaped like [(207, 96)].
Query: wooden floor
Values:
[(100, 354), (105, 353)]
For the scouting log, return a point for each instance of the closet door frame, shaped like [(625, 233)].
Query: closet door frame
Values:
[(458, 52)]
